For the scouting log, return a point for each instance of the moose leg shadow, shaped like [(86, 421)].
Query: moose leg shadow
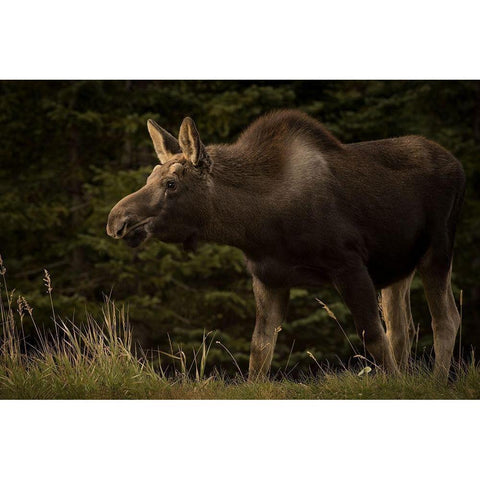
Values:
[(271, 310), (358, 292)]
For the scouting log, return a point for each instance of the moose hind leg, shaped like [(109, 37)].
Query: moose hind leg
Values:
[(358, 292), (398, 318), (271, 307), (436, 278)]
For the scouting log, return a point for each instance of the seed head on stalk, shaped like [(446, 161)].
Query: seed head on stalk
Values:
[(48, 284)]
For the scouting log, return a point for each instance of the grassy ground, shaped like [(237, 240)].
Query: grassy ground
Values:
[(130, 382), (97, 361)]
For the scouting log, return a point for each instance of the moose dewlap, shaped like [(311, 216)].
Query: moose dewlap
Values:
[(309, 210)]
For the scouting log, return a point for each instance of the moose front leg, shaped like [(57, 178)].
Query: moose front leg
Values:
[(358, 292), (271, 306)]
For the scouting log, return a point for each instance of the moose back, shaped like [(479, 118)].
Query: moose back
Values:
[(307, 209)]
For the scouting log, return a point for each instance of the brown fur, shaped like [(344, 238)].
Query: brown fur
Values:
[(308, 210)]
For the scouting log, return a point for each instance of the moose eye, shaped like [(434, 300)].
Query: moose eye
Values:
[(171, 184)]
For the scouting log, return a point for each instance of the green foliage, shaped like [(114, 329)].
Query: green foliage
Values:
[(69, 150)]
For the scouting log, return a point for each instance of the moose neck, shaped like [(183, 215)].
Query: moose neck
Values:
[(235, 193)]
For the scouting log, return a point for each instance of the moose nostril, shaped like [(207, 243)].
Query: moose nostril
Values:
[(120, 230)]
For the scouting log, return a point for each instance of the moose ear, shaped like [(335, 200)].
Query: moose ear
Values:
[(165, 144), (191, 145)]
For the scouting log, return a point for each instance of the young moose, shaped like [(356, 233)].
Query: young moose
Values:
[(306, 209)]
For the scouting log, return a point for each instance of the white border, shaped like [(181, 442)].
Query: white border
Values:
[(238, 439), (213, 39)]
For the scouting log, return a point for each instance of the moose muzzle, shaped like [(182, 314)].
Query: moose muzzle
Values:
[(121, 226)]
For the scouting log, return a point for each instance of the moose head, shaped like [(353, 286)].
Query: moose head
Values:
[(173, 204)]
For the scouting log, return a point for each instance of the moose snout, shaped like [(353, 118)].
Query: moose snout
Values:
[(117, 225), (130, 213), (120, 220)]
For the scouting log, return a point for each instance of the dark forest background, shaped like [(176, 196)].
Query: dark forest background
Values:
[(69, 150)]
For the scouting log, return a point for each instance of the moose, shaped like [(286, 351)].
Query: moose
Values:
[(307, 210)]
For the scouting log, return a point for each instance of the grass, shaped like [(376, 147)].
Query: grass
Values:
[(97, 360)]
